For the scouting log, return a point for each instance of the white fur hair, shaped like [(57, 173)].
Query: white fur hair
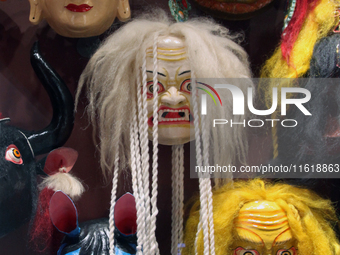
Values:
[(65, 182), (110, 77)]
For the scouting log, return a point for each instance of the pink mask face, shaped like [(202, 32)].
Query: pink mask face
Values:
[(262, 229), (175, 118), (79, 18)]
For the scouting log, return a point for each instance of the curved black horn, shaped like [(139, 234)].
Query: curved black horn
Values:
[(60, 128)]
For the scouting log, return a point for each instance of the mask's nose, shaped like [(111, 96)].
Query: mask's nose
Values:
[(173, 97)]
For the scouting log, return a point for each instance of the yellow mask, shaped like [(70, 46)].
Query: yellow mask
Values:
[(262, 229)]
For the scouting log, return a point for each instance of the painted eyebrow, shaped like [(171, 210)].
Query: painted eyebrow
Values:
[(244, 239), (281, 242), (188, 71), (253, 243), (157, 72)]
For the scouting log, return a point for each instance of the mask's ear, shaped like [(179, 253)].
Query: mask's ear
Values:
[(35, 12), (124, 12)]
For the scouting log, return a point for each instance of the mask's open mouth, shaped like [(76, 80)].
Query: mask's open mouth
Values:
[(173, 116)]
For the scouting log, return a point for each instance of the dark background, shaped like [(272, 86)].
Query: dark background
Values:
[(24, 100)]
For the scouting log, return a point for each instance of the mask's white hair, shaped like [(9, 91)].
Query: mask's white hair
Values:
[(110, 77)]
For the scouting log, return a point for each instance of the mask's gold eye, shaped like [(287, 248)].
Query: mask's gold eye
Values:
[(186, 86), (291, 251), (13, 155), (149, 89), (243, 251)]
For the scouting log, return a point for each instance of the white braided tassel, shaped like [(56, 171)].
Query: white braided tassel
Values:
[(175, 205), (113, 203), (145, 160), (136, 182), (180, 185), (199, 160), (177, 199), (207, 184), (154, 191)]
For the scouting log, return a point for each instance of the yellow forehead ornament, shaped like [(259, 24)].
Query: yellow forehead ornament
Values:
[(257, 217)]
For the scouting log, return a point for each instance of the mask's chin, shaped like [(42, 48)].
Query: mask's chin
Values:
[(174, 135)]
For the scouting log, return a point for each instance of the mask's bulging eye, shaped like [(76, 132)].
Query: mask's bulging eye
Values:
[(242, 251), (149, 89), (186, 86), (13, 155), (291, 251)]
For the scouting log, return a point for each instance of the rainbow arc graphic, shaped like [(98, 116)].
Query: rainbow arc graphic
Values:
[(209, 93)]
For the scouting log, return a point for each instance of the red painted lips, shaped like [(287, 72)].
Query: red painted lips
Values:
[(171, 116), (78, 8)]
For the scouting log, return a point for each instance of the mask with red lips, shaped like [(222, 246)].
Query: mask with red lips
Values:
[(79, 18), (175, 117)]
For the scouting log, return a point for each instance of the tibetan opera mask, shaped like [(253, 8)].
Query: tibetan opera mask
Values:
[(79, 18), (175, 115), (262, 229)]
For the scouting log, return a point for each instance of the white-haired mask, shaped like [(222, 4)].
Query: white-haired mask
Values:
[(128, 110)]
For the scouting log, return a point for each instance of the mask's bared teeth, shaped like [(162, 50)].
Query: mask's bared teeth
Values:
[(174, 115)]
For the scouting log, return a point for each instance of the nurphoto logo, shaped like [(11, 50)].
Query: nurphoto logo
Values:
[(238, 104)]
